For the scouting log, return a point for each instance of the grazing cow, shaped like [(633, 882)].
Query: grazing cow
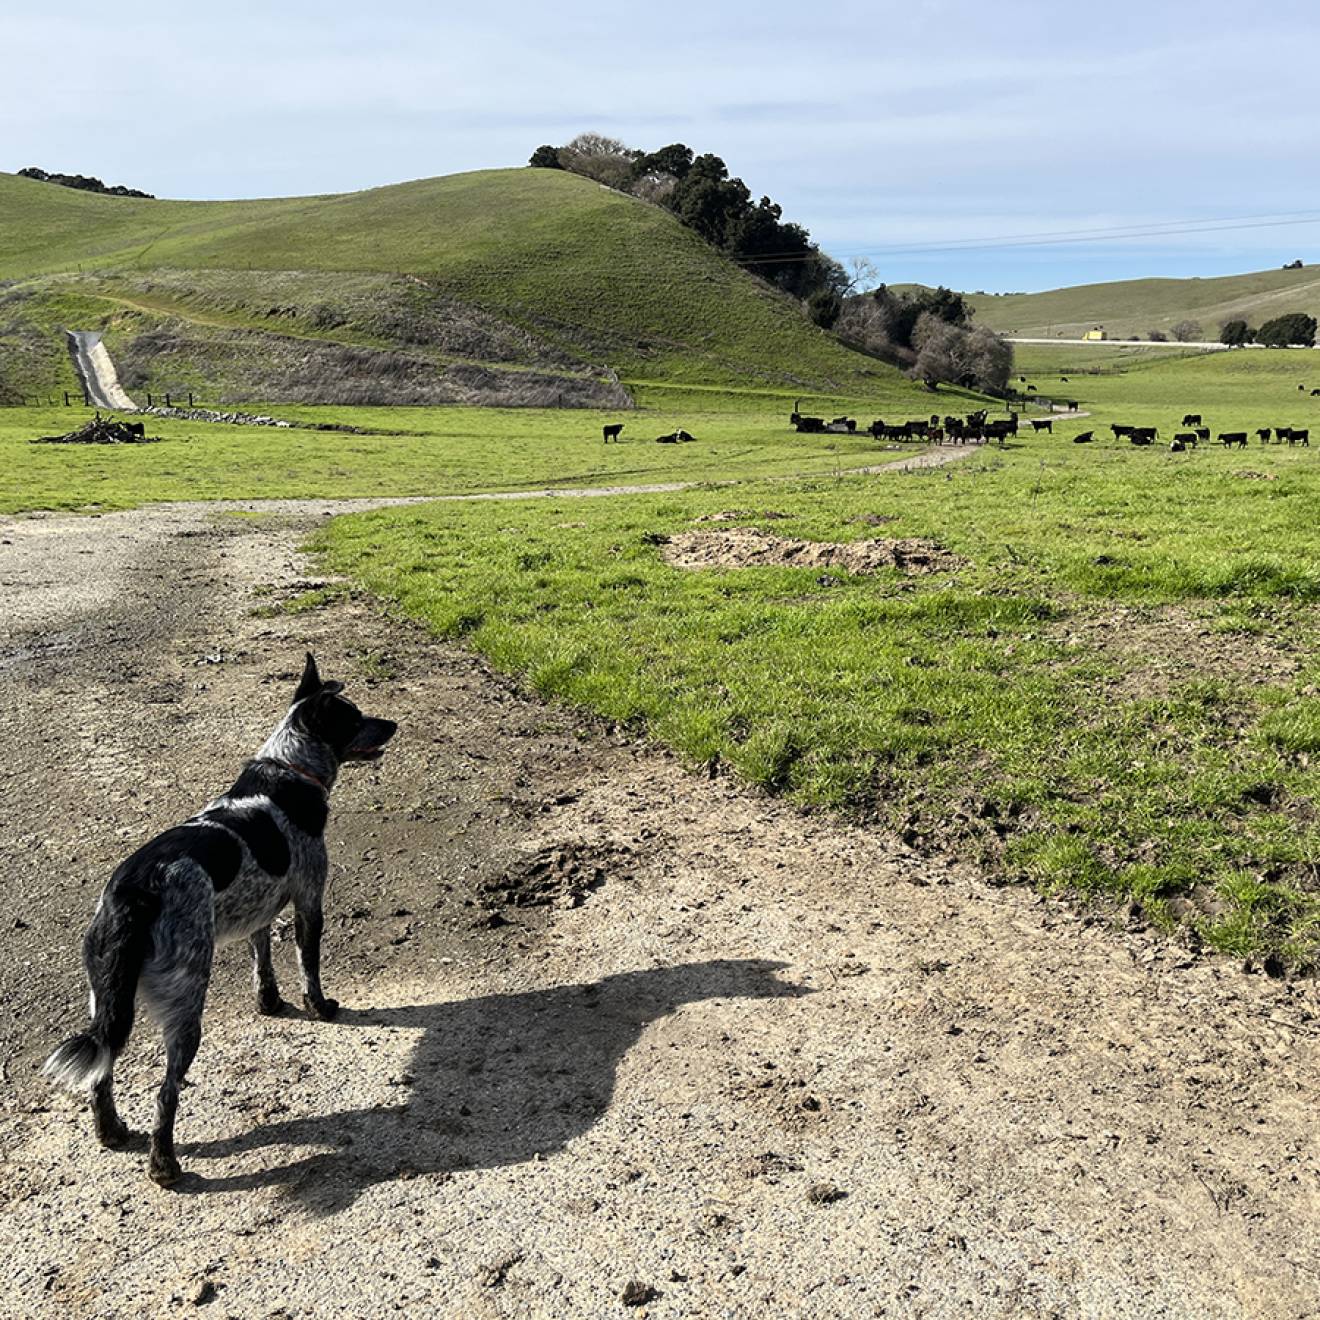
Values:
[(1203, 434), (1084, 439), (1042, 424), (1073, 405), (1283, 433), (1031, 389), (809, 424), (1063, 380), (1263, 435), (1230, 438), (1144, 435), (1303, 437), (1120, 430), (1176, 446), (1302, 388), (1192, 419), (612, 432), (1314, 393), (1185, 439)]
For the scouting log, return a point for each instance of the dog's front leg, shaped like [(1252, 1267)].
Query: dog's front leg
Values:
[(307, 923), (263, 973)]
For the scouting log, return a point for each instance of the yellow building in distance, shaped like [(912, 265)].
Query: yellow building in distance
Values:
[(1096, 332)]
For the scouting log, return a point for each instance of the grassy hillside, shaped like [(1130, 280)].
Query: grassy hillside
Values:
[(1128, 307), (567, 272)]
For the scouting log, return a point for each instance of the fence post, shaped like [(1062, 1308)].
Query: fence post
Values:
[(168, 404), (66, 398), (190, 402)]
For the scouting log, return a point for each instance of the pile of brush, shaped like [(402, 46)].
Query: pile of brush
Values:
[(102, 431)]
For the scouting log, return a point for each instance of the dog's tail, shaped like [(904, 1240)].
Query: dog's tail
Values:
[(117, 946)]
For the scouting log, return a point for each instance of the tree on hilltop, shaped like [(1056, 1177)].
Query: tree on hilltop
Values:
[(545, 158)]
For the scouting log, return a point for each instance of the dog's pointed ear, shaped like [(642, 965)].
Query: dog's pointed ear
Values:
[(310, 683)]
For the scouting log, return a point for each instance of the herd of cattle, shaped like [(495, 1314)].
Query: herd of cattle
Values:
[(977, 428), (1200, 434), (974, 429)]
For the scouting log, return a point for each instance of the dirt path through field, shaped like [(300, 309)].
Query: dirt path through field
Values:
[(749, 1060)]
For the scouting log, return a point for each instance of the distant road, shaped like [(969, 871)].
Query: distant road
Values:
[(99, 378), (1128, 343)]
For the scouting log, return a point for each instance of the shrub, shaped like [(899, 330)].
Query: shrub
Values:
[(1186, 331)]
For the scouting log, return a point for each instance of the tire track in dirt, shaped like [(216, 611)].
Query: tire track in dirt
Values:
[(726, 1009)]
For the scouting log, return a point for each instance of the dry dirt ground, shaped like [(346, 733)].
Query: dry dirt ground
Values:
[(609, 1027)]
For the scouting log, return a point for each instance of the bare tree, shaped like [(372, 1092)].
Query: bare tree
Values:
[(1186, 331)]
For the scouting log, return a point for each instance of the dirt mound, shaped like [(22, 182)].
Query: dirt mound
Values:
[(557, 875), (746, 547)]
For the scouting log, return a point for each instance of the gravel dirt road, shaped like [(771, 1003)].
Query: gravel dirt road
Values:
[(610, 1029)]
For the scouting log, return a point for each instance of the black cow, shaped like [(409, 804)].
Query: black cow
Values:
[(1230, 438), (1120, 430), (135, 428), (1303, 437), (1176, 446), (1042, 424), (1283, 433), (1192, 419), (612, 432), (1144, 435), (809, 425), (1073, 405), (1263, 435), (1203, 434), (1314, 393), (1183, 439), (849, 424), (1084, 439)]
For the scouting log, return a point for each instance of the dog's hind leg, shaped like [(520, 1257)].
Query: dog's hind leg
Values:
[(111, 1130), (307, 924), (181, 1041), (263, 973)]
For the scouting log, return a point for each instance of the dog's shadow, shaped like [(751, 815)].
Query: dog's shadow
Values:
[(492, 1081)]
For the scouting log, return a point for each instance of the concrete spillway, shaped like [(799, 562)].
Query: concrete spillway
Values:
[(99, 379)]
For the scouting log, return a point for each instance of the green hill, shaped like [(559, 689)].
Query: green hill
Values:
[(501, 285), (1135, 307)]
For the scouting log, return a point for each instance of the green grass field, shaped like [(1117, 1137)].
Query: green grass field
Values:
[(438, 451), (1114, 695), (1135, 307)]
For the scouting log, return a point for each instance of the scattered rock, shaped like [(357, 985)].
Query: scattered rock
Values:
[(494, 1275), (825, 1193), (637, 1293)]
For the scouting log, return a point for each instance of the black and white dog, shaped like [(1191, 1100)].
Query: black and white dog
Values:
[(221, 876)]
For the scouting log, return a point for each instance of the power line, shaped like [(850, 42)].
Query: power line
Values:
[(1119, 233)]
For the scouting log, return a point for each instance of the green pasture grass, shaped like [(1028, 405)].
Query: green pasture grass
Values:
[(1113, 695), (1128, 307), (439, 451), (1240, 390)]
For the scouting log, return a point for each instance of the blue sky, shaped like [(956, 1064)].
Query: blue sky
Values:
[(913, 133)]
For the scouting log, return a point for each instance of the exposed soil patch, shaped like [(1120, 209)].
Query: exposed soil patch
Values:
[(746, 547), (558, 875), (1155, 650)]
